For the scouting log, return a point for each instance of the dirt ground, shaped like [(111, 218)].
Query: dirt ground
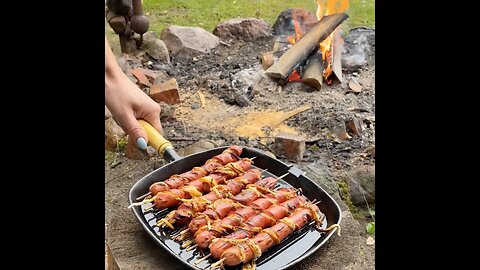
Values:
[(229, 70)]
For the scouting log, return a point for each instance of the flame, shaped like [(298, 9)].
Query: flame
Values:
[(294, 77), (325, 8)]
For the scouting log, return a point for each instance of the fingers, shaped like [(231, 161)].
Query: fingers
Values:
[(135, 132), (154, 119)]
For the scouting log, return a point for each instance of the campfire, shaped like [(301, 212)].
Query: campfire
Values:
[(309, 50)]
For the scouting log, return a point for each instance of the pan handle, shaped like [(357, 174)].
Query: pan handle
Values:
[(157, 141)]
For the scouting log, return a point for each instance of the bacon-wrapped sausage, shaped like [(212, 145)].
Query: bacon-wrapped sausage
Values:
[(196, 188), (262, 220), (177, 180), (220, 174), (205, 235), (184, 213), (248, 249)]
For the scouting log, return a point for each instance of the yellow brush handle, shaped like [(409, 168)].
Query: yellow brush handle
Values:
[(155, 139)]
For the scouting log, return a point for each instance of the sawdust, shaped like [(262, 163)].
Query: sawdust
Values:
[(232, 120)]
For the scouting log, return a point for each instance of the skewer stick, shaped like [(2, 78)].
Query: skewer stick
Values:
[(188, 243), (202, 259), (143, 196), (192, 247), (217, 264), (148, 208), (282, 176), (141, 203)]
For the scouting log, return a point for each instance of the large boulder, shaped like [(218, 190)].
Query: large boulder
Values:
[(243, 29), (187, 42)]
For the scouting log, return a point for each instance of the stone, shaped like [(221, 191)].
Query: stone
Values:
[(140, 76), (155, 47), (358, 48), (199, 146), (167, 112), (133, 152), (354, 126), (324, 178), (113, 133), (166, 92), (123, 63), (187, 42), (246, 29), (267, 60), (290, 146), (361, 182)]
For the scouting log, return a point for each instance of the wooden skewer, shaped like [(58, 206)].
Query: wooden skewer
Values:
[(148, 208), (202, 259), (217, 264), (143, 196), (141, 203), (192, 247), (188, 243)]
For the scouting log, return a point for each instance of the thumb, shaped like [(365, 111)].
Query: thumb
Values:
[(136, 132)]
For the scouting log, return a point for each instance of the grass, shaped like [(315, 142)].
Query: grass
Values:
[(208, 13)]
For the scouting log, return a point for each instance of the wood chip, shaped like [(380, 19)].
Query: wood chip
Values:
[(355, 86)]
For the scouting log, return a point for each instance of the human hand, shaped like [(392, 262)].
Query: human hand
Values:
[(127, 103)]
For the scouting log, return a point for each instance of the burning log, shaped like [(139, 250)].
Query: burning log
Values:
[(313, 73), (300, 51), (337, 56)]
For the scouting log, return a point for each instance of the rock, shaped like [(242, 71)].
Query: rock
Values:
[(113, 133), (133, 152), (361, 181), (108, 114), (358, 48), (140, 76), (199, 146), (155, 47), (123, 63), (284, 23), (187, 42), (324, 178), (370, 241), (167, 113), (340, 132), (354, 126), (267, 60), (355, 86), (166, 92), (289, 145), (247, 29), (161, 77)]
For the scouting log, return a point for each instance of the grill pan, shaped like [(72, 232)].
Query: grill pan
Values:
[(292, 250)]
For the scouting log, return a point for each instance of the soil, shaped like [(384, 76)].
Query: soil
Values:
[(229, 78)]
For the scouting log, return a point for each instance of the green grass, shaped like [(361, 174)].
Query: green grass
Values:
[(208, 13)]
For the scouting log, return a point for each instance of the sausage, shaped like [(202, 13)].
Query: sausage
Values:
[(207, 215), (198, 187), (172, 197), (204, 235), (259, 221), (175, 181), (253, 248), (184, 213)]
